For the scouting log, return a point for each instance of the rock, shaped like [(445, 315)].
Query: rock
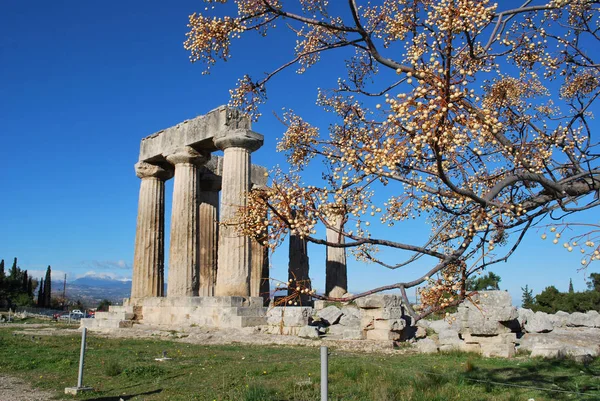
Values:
[(421, 332), (504, 338), (292, 316), (499, 350), (319, 304), (594, 318), (331, 314), (559, 319), (538, 323), (353, 334), (448, 336), (350, 317), (390, 325), (524, 314), (427, 346), (577, 319), (309, 332), (548, 351), (438, 325), (379, 301), (382, 335)]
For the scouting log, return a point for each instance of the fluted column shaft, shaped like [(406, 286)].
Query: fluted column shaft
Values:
[(184, 275), (149, 253), (208, 213), (233, 271), (336, 277)]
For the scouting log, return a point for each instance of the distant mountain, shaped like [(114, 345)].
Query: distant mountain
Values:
[(101, 282)]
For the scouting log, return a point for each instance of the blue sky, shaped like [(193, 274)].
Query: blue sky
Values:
[(81, 85)]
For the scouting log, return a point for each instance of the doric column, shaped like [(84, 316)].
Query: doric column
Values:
[(298, 267), (208, 216), (184, 272), (336, 278), (233, 269), (149, 255)]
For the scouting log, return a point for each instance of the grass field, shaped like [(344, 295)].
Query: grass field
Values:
[(126, 368)]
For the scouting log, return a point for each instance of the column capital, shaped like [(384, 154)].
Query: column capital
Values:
[(240, 138), (147, 170), (188, 155)]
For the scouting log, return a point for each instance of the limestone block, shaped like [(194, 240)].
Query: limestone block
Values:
[(448, 336), (382, 335), (420, 332), (503, 338), (450, 347), (437, 325), (538, 323), (427, 346), (523, 315), (353, 334), (367, 323), (390, 325), (331, 314), (336, 330), (319, 304), (548, 352), (500, 350), (379, 301), (578, 319), (309, 332), (593, 318), (493, 298), (384, 313), (474, 347), (291, 316), (559, 319), (351, 311)]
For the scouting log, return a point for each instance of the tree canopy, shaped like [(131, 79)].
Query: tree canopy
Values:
[(474, 114)]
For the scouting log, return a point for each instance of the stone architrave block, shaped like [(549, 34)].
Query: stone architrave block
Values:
[(538, 323), (309, 332), (427, 346), (379, 301), (382, 335), (499, 350), (331, 314), (390, 325), (291, 316), (394, 312), (350, 321)]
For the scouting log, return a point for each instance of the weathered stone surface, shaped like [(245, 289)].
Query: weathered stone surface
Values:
[(421, 332), (208, 215), (390, 325), (593, 318), (353, 334), (350, 317), (523, 314), (502, 350), (331, 314), (559, 319), (539, 323), (383, 313), (184, 269), (309, 332), (379, 301), (448, 336), (382, 335), (548, 352), (319, 304), (504, 338), (291, 316), (470, 347), (149, 254), (336, 278), (233, 271), (437, 325), (574, 341), (427, 346), (578, 319)]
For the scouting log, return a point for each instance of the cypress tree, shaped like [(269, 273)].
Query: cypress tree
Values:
[(48, 288), (25, 282), (2, 274), (14, 272), (30, 288), (41, 299), (571, 291)]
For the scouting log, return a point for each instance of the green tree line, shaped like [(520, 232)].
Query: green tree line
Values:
[(17, 287), (551, 300)]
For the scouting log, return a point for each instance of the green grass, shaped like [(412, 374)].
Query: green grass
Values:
[(126, 368)]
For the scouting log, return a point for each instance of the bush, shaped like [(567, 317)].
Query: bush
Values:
[(113, 368)]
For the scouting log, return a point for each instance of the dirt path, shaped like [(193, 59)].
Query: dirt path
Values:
[(13, 389)]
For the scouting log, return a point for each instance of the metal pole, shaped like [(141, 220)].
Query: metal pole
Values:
[(81, 357), (324, 378)]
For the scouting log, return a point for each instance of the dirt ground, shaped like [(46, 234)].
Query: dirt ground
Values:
[(13, 389)]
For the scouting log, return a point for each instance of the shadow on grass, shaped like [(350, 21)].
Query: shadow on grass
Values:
[(558, 379), (125, 397)]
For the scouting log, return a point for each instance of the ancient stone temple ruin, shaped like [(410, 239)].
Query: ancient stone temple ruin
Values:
[(215, 274)]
